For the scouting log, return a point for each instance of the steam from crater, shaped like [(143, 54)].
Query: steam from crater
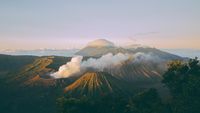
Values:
[(77, 66), (70, 68)]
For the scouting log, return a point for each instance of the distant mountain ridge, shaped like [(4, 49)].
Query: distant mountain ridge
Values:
[(104, 47), (41, 52)]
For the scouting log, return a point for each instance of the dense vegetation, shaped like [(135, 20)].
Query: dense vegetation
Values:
[(182, 79), (146, 102)]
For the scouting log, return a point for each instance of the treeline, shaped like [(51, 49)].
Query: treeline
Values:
[(182, 79), (146, 102)]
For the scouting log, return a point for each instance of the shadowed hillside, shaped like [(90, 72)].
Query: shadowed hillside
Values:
[(26, 85)]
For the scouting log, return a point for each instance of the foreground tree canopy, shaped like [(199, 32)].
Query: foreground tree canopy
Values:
[(183, 80), (146, 102)]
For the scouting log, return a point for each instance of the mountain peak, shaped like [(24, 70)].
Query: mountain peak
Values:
[(94, 84), (100, 43)]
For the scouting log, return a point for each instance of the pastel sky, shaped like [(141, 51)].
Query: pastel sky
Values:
[(61, 24)]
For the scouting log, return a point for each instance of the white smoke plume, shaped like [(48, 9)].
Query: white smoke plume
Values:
[(70, 68), (106, 61), (77, 66)]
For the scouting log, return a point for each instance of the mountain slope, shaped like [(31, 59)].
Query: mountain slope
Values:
[(156, 52), (96, 84), (9, 64), (34, 72), (25, 85), (99, 51), (142, 71), (98, 48)]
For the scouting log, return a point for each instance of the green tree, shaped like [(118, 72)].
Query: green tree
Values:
[(73, 105), (146, 102), (183, 80), (105, 104)]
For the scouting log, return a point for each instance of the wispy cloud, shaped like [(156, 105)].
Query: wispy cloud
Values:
[(146, 33)]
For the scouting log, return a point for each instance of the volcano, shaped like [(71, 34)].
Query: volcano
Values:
[(100, 47), (151, 65), (95, 84)]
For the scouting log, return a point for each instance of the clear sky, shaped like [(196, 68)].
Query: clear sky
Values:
[(61, 24)]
